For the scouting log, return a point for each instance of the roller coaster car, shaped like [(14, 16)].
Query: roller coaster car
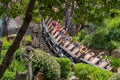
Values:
[(110, 68), (56, 35), (88, 56), (66, 44), (70, 47), (78, 55), (95, 60), (53, 31), (103, 64), (47, 22), (75, 51), (50, 26), (58, 39), (50, 30)]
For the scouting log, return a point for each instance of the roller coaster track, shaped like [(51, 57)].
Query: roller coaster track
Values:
[(79, 54)]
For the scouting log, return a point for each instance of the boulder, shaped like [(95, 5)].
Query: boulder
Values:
[(40, 76), (11, 37), (116, 53)]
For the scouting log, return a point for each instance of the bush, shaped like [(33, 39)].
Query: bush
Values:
[(28, 38), (106, 36), (17, 66), (3, 52), (115, 62), (65, 65), (80, 36), (89, 72), (9, 75), (6, 44), (46, 64)]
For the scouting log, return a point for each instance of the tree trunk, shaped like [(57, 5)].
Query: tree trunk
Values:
[(5, 32), (9, 55), (0, 47), (65, 14), (69, 12)]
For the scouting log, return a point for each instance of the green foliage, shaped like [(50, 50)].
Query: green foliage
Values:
[(11, 71), (80, 36), (107, 36), (98, 39), (18, 8), (45, 8), (96, 10), (36, 13), (16, 65), (6, 44), (115, 77), (115, 62), (65, 65), (89, 72), (9, 75), (3, 52), (46, 64), (28, 38), (36, 19)]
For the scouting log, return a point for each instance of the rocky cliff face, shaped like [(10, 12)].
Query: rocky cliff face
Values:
[(116, 53)]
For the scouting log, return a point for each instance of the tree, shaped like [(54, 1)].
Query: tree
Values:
[(95, 10), (69, 13), (11, 9), (4, 5), (9, 55)]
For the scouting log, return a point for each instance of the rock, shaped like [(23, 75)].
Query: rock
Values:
[(40, 76), (116, 53), (11, 37)]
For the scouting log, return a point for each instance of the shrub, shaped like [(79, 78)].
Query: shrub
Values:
[(80, 36), (18, 54), (65, 65), (28, 38), (6, 44), (89, 72), (17, 66), (115, 62), (106, 36), (46, 64), (3, 52), (9, 75)]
